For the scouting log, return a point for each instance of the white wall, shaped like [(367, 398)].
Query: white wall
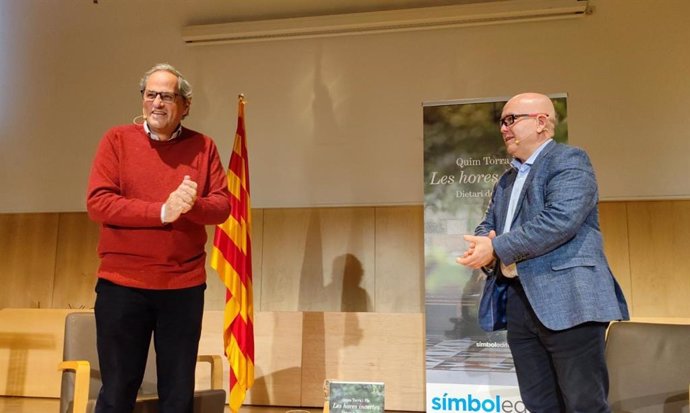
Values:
[(337, 121)]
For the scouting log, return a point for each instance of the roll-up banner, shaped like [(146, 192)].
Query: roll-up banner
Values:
[(467, 369)]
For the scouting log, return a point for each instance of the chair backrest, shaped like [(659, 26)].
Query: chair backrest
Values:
[(80, 344), (649, 367)]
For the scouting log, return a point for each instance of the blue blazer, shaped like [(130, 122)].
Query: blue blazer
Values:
[(556, 242)]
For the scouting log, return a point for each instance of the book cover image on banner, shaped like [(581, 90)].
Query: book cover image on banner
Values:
[(464, 156), (355, 397)]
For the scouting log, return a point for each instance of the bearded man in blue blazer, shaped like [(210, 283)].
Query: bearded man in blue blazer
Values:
[(549, 282)]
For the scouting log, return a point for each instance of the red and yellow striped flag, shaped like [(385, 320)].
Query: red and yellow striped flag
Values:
[(232, 258)]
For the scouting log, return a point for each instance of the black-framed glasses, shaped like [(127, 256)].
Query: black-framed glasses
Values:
[(508, 120), (166, 97)]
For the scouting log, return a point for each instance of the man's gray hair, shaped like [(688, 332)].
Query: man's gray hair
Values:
[(183, 86)]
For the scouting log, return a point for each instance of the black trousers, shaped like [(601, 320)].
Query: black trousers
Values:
[(125, 319), (557, 371)]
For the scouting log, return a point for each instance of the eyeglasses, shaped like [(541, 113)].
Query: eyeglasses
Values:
[(166, 97), (508, 120)]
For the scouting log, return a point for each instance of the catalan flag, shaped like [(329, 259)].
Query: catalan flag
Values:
[(232, 258)]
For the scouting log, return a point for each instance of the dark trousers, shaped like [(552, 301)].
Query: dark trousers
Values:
[(557, 371), (125, 319)]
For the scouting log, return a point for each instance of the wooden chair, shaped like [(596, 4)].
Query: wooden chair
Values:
[(81, 380)]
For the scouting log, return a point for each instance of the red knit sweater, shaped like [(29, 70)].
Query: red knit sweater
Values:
[(131, 178)]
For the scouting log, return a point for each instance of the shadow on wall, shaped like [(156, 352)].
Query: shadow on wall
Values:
[(347, 277), (266, 388), (343, 293)]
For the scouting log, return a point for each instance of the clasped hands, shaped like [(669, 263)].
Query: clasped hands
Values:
[(480, 251), (181, 200)]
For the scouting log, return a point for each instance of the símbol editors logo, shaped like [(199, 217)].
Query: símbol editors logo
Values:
[(472, 404)]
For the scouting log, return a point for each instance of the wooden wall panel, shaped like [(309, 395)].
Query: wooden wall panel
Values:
[(399, 260), (215, 290), (76, 262), (365, 347), (292, 250), (319, 259), (278, 338), (278, 356), (27, 259), (257, 254), (48, 257), (613, 217), (31, 342), (659, 241)]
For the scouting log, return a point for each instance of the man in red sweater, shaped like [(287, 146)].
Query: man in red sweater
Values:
[(153, 187)]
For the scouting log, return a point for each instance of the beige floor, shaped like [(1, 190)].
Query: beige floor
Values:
[(36, 405)]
